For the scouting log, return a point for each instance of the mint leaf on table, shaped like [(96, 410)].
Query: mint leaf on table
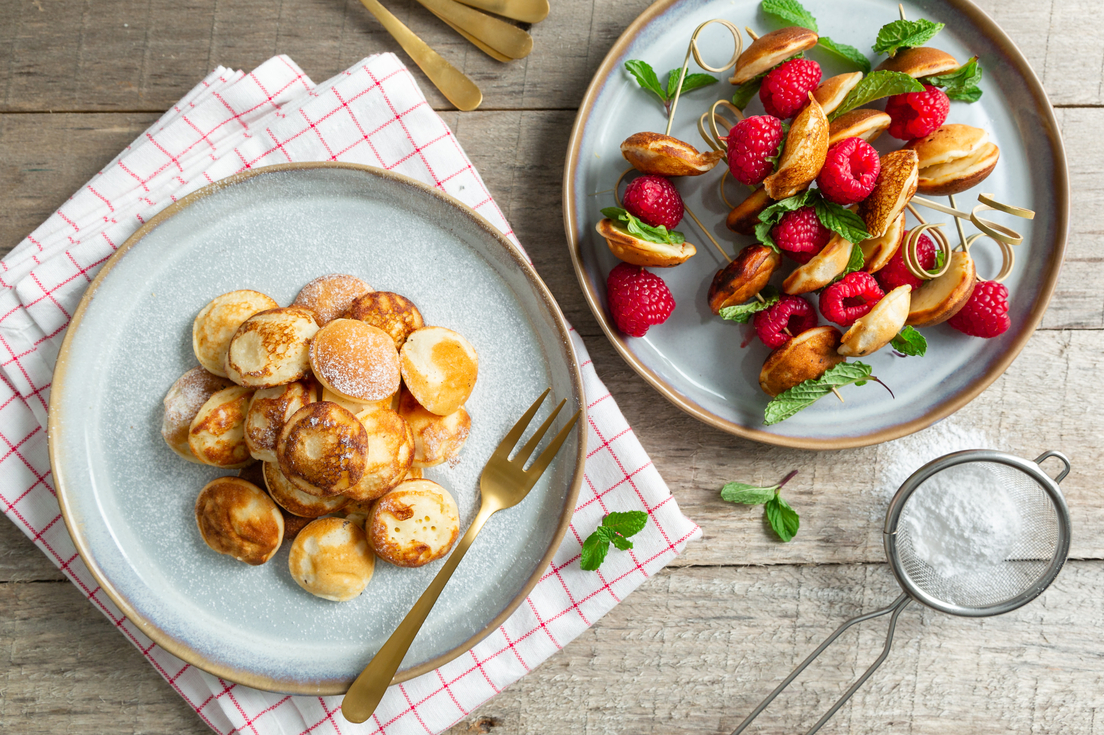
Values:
[(849, 53), (910, 342), (960, 84), (770, 216), (905, 34), (801, 396), (739, 492), (790, 11), (689, 84), (781, 517), (841, 220), (615, 528), (646, 78), (625, 221), (874, 86), (742, 313)]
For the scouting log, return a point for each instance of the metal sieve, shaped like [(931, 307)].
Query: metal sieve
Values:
[(955, 578)]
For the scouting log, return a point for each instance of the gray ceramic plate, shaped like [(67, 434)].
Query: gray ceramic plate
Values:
[(128, 500), (695, 359)]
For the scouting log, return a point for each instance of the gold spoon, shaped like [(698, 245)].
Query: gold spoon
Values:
[(527, 11), (504, 38), (477, 43), (453, 83)]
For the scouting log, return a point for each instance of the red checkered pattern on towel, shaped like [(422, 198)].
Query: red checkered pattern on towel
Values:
[(372, 113)]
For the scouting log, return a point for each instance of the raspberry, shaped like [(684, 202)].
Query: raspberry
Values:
[(655, 200), (750, 143), (791, 314), (850, 298), (849, 171), (800, 234), (785, 90), (986, 312), (895, 273), (638, 299), (916, 114)]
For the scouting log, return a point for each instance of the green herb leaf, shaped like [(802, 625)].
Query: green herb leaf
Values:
[(803, 395), (594, 552), (940, 259), (607, 534), (646, 78), (770, 216), (874, 86), (910, 342), (742, 313), (960, 84), (628, 523), (740, 492), (855, 261), (622, 543), (841, 220), (746, 91), (689, 84), (625, 221), (782, 518), (905, 34), (842, 50), (790, 11)]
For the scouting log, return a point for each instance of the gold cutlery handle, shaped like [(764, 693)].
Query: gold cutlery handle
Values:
[(453, 83), (527, 11), (366, 692), (499, 35), (476, 42)]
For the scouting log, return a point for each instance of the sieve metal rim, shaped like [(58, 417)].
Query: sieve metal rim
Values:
[(1032, 468)]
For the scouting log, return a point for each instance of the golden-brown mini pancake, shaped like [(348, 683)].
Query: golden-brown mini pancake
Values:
[(183, 401), (294, 500), (391, 312), (437, 439), (323, 449), (329, 297), (237, 518), (439, 368), (414, 524), (269, 410), (217, 433), (331, 559), (272, 348), (217, 322), (390, 453), (358, 406), (355, 360)]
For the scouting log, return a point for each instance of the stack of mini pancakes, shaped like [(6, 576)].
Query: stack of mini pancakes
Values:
[(342, 398)]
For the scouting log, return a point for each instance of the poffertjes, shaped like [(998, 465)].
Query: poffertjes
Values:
[(414, 524), (217, 433), (271, 348), (183, 401), (323, 449), (439, 368), (331, 559), (329, 297), (217, 322), (237, 518)]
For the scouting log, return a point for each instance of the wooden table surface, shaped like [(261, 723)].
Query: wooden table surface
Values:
[(698, 645)]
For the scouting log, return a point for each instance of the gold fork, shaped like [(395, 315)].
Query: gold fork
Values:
[(504, 483)]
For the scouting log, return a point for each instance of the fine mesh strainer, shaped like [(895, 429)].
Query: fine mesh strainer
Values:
[(974, 533)]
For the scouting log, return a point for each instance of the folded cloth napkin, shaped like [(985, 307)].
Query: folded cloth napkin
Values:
[(372, 113)]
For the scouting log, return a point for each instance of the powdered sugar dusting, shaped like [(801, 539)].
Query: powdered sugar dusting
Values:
[(357, 360), (330, 296)]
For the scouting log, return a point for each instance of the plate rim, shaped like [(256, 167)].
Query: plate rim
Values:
[(1061, 186), (181, 649)]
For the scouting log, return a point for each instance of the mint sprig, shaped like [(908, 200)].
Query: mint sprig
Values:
[(848, 53), (910, 342), (874, 86), (770, 216), (801, 396), (960, 84), (841, 220), (625, 221), (791, 12), (742, 313), (781, 517), (648, 80), (746, 91), (616, 529), (905, 34)]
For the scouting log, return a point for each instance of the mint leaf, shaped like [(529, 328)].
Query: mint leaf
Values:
[(742, 313), (940, 258), (746, 91), (689, 84), (622, 543), (628, 523), (841, 220), (782, 518), (606, 534), (905, 34), (803, 395), (874, 86), (770, 216), (960, 84), (855, 261), (646, 78), (625, 221), (739, 492), (594, 552), (849, 53), (910, 342), (791, 12)]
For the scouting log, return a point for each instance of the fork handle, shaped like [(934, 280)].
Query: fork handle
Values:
[(366, 692)]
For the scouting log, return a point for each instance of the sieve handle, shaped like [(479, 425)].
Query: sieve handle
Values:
[(1057, 455), (896, 607)]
